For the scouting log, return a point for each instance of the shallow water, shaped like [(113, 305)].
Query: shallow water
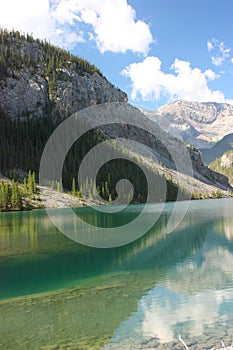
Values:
[(58, 294)]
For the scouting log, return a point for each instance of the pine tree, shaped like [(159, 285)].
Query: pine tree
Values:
[(25, 187), (16, 199), (31, 183), (73, 187), (4, 196)]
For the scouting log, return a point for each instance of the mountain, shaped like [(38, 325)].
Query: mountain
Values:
[(224, 165), (199, 124), (41, 85), (222, 146), (38, 78)]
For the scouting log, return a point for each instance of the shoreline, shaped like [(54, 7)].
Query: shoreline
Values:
[(68, 201)]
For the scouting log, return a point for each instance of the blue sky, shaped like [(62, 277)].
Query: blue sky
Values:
[(156, 51)]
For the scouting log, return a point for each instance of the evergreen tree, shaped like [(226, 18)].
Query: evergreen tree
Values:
[(16, 199), (31, 184), (73, 187)]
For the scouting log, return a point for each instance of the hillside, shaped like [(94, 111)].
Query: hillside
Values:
[(224, 165), (222, 146), (41, 85), (198, 124), (39, 79)]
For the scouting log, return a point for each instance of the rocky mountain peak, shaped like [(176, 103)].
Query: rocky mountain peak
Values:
[(200, 112), (201, 124)]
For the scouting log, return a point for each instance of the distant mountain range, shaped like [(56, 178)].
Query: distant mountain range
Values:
[(199, 124)]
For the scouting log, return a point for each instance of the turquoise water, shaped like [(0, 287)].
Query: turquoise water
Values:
[(55, 292)]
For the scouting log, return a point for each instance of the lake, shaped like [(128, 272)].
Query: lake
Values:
[(58, 294)]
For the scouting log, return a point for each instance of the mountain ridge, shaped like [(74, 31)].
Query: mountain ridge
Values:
[(200, 124), (37, 78)]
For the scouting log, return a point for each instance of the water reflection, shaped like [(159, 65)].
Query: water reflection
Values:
[(194, 298), (225, 226), (43, 259), (163, 314), (138, 296), (190, 301)]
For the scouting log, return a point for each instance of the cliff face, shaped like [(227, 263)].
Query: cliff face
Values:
[(27, 95), (36, 77)]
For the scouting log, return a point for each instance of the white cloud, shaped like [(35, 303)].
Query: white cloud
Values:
[(210, 45), (111, 23), (222, 52), (232, 60), (35, 17), (151, 83), (184, 298), (114, 24), (26, 15), (217, 60)]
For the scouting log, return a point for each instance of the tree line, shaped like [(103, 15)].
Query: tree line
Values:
[(19, 50)]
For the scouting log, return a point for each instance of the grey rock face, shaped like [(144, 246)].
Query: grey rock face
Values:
[(27, 93), (25, 96), (75, 92), (200, 124)]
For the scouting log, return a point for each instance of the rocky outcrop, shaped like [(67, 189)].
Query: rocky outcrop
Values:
[(207, 175), (28, 95), (38, 78)]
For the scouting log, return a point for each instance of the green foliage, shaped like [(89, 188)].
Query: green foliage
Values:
[(15, 196), (22, 141), (16, 52), (113, 171), (5, 195), (10, 196), (73, 187), (217, 194), (31, 183), (196, 195), (217, 166)]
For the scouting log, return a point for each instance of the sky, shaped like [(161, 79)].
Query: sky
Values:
[(157, 51)]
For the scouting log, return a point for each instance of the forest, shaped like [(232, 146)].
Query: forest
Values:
[(23, 139)]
